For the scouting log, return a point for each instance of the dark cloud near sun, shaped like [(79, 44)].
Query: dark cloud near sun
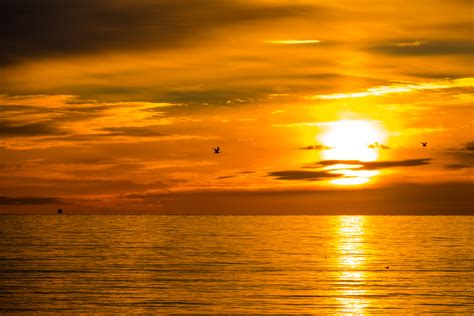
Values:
[(32, 28), (319, 175), (302, 175), (377, 145), (316, 147), (374, 165), (420, 48)]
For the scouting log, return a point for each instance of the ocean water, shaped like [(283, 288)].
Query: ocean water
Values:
[(237, 264)]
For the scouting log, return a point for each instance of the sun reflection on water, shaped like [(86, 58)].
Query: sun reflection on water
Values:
[(351, 261)]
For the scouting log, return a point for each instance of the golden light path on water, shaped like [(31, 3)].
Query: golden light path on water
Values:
[(351, 260), (352, 140)]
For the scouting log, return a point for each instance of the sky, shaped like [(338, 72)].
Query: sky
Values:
[(318, 107)]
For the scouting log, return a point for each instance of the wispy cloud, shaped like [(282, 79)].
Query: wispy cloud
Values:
[(316, 147), (408, 44), (408, 87), (40, 119), (293, 42), (377, 145), (457, 166)]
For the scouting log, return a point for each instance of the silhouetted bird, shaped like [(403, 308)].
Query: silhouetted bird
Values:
[(60, 211), (216, 150), (424, 144)]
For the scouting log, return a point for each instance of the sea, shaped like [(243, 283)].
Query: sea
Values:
[(311, 265)]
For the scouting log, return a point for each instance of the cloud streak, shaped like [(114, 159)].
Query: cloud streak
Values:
[(292, 42), (41, 119), (400, 88), (302, 175), (422, 48)]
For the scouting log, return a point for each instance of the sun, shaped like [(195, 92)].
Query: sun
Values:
[(352, 140)]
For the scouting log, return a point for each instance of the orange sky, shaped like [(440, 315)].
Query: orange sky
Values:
[(114, 106)]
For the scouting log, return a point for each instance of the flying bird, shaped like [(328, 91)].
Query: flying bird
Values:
[(216, 150), (424, 144)]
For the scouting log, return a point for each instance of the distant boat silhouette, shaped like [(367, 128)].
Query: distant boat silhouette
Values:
[(424, 144), (60, 211), (217, 150), (387, 267)]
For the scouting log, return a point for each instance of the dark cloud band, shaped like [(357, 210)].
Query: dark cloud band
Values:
[(5, 200), (425, 48), (32, 28)]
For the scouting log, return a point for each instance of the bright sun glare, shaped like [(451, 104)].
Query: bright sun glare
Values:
[(352, 140)]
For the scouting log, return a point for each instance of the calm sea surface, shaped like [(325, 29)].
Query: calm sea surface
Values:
[(233, 264)]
